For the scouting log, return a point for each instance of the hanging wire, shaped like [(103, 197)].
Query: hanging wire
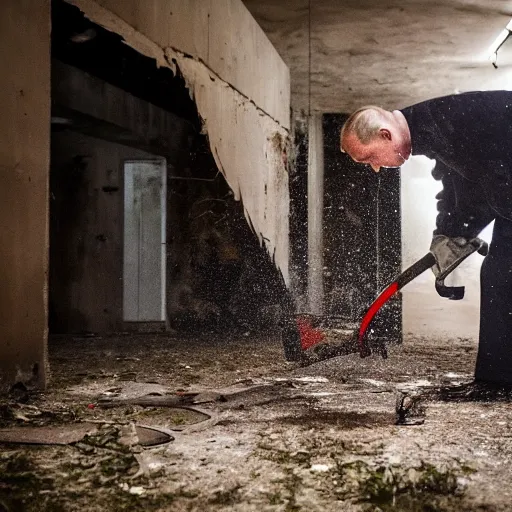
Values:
[(309, 61)]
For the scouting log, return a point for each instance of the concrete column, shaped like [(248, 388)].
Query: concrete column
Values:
[(315, 215), (24, 162)]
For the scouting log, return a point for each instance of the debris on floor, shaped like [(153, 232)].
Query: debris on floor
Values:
[(243, 430), (409, 409)]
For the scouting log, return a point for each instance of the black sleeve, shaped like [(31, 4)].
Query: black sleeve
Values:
[(463, 209)]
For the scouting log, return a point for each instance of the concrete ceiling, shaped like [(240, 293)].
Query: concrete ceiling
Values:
[(388, 52)]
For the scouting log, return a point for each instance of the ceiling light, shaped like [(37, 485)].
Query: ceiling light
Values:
[(498, 42)]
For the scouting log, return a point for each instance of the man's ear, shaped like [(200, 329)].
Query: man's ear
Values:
[(385, 134)]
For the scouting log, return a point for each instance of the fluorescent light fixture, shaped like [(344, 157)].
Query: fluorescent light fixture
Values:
[(498, 43)]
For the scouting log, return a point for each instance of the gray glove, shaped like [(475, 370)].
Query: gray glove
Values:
[(449, 254)]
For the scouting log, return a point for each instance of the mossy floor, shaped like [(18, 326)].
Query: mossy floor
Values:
[(321, 438)]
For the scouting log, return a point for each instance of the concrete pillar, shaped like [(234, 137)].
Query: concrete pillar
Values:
[(24, 162), (315, 215)]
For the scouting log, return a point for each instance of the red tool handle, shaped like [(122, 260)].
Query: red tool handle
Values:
[(384, 296), (405, 277)]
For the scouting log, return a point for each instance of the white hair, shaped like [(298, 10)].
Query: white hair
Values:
[(364, 123)]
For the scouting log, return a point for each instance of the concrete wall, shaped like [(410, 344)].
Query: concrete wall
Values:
[(24, 155), (220, 33), (240, 85), (287, 23), (86, 244), (425, 313)]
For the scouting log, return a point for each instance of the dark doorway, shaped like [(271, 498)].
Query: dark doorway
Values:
[(362, 251)]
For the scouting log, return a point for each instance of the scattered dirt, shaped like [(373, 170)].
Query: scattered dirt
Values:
[(282, 438)]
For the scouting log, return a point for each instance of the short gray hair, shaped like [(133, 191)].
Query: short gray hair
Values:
[(364, 123)]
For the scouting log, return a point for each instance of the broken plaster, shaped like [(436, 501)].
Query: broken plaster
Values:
[(240, 138)]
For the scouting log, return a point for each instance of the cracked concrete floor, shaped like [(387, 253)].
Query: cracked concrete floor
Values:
[(286, 438)]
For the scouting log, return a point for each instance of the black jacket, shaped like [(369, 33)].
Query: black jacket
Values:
[(470, 137)]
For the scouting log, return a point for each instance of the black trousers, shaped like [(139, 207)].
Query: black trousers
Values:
[(494, 361)]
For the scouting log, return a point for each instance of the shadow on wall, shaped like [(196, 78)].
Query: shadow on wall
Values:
[(425, 313)]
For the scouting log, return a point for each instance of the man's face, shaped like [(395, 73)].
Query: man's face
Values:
[(380, 152)]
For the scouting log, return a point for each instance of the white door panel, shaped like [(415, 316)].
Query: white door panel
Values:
[(144, 241)]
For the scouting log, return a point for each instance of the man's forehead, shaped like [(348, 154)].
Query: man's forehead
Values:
[(349, 143)]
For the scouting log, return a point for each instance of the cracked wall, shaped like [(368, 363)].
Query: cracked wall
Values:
[(240, 85)]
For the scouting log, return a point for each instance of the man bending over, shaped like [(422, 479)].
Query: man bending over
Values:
[(470, 137)]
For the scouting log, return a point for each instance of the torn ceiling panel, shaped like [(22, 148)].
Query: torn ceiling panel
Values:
[(244, 105), (250, 149), (222, 34)]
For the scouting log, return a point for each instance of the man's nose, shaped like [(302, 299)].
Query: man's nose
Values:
[(376, 168)]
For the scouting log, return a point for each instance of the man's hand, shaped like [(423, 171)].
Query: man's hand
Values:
[(449, 254)]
